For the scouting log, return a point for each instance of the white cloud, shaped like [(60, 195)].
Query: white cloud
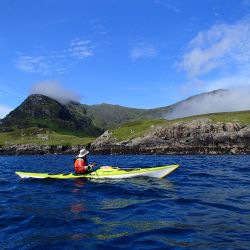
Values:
[(32, 64), (81, 48), (54, 90), (143, 50), (4, 110), (45, 64), (220, 46), (235, 99), (168, 5), (239, 80), (57, 61)]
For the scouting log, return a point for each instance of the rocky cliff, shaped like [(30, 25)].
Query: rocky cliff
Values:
[(200, 136)]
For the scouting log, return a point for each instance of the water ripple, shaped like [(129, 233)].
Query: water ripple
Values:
[(205, 204)]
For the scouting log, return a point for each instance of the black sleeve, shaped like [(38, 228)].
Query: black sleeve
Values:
[(86, 160)]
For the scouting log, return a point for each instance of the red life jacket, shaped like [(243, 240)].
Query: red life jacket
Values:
[(81, 166)]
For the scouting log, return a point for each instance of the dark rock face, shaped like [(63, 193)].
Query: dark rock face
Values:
[(199, 136)]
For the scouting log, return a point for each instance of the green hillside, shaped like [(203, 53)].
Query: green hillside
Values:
[(125, 132), (42, 136), (108, 116)]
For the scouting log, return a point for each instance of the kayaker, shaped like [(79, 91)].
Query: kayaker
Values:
[(81, 163)]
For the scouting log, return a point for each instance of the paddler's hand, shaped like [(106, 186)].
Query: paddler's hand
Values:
[(91, 166)]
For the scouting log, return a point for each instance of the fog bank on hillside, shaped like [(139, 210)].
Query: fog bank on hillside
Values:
[(221, 101)]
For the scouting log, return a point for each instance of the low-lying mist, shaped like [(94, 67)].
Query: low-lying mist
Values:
[(213, 102)]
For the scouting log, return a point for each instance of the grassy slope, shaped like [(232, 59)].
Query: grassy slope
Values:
[(139, 128), (135, 129), (42, 136), (108, 116)]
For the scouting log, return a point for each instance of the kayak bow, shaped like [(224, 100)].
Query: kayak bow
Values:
[(107, 172)]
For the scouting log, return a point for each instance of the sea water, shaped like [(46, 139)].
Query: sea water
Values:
[(205, 204)]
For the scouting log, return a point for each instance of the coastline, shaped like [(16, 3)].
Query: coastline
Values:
[(34, 149), (196, 137), (120, 150)]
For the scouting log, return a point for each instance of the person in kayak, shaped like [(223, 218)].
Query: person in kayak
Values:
[(81, 163)]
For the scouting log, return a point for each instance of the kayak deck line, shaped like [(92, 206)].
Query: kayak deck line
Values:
[(107, 172)]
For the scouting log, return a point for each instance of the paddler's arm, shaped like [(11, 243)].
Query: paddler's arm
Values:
[(90, 166)]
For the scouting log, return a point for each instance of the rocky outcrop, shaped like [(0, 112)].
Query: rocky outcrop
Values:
[(34, 149), (200, 136)]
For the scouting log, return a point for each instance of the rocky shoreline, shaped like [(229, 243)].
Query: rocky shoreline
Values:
[(120, 150), (34, 149), (200, 136)]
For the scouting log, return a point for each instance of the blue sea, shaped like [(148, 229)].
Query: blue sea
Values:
[(205, 204)]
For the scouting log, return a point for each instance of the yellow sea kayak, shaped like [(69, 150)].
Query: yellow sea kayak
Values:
[(107, 172)]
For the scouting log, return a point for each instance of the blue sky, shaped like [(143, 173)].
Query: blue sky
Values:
[(136, 53)]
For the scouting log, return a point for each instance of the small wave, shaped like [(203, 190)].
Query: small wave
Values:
[(206, 175)]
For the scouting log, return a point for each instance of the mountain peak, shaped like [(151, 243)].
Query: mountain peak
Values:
[(42, 111), (38, 98)]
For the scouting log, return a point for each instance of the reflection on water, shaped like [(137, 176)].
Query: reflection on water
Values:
[(79, 183), (77, 208)]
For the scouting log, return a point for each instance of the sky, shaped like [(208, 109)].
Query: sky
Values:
[(135, 53)]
